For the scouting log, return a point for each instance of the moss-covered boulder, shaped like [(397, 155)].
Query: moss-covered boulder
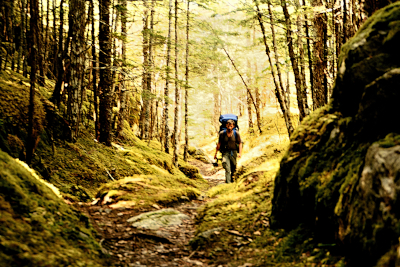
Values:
[(36, 227), (340, 175)]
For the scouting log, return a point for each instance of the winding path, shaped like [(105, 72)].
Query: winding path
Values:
[(168, 246)]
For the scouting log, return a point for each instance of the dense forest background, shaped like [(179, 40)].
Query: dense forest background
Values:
[(159, 67)]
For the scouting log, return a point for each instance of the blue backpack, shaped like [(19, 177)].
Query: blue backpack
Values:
[(223, 120)]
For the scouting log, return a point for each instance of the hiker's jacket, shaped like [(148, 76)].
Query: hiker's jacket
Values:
[(229, 143)]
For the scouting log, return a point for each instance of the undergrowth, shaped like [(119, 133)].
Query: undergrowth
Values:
[(239, 216)]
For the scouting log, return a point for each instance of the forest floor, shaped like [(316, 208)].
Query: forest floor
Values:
[(169, 246)]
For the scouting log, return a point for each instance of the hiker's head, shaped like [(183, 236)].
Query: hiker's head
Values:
[(230, 124)]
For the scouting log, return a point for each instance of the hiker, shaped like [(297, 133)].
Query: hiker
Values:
[(228, 142)]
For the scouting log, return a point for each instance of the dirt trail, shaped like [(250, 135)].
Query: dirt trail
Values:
[(129, 246)]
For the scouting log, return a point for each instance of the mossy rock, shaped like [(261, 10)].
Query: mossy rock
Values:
[(329, 180), (191, 150), (190, 171), (36, 227)]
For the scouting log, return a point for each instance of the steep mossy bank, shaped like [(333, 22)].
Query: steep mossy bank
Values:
[(39, 228), (79, 169), (340, 174), (36, 227)]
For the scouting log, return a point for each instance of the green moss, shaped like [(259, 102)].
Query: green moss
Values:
[(36, 227), (147, 190)]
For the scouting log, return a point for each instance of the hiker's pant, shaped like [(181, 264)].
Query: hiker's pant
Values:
[(229, 164)]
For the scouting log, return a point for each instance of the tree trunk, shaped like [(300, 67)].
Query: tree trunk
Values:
[(310, 61), (94, 74), (105, 73), (301, 49), (26, 55), (12, 34), (278, 87), (151, 71), (46, 39), (319, 63), (21, 51), (56, 98), (185, 152), (40, 78), (55, 47), (144, 115), (33, 51), (251, 126), (177, 93), (168, 71), (301, 94), (77, 19), (123, 93)]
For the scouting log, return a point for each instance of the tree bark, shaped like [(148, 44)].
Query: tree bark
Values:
[(168, 71), (177, 93), (105, 73), (185, 152), (123, 91), (279, 92), (319, 62), (144, 115), (33, 49), (21, 50), (56, 97), (77, 18), (94, 74), (301, 94), (310, 60), (151, 71)]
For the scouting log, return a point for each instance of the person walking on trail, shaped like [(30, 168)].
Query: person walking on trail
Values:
[(229, 142)]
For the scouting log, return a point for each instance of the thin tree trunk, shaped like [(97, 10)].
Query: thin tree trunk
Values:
[(94, 74), (251, 126), (185, 152), (301, 94), (12, 36), (41, 80), (60, 64), (55, 47), (274, 45), (168, 71), (177, 93), (310, 61), (123, 91), (105, 73), (25, 63), (144, 115), (33, 48), (300, 48), (21, 51), (46, 39), (278, 87), (151, 71)]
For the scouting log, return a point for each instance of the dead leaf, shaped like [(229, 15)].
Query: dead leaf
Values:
[(217, 232), (123, 204), (234, 232), (156, 206), (257, 233)]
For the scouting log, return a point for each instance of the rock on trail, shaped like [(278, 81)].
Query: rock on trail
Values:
[(150, 237)]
